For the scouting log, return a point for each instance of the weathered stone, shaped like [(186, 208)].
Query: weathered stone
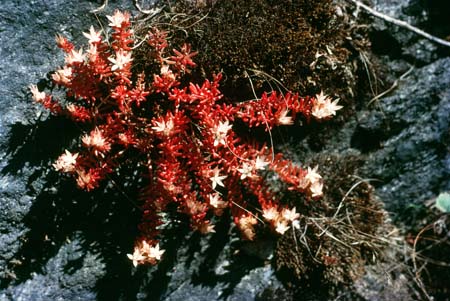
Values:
[(59, 244)]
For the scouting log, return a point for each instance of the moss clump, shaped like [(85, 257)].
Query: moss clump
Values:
[(429, 243), (304, 45), (338, 234)]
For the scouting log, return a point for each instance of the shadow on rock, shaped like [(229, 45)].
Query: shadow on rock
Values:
[(106, 219), (103, 222)]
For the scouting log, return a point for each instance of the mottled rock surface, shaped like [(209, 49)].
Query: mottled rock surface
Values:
[(57, 243)]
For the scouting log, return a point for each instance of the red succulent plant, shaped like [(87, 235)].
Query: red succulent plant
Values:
[(185, 137)]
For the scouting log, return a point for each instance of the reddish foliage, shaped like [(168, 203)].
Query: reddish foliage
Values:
[(195, 159)]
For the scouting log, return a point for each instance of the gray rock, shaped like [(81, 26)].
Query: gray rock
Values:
[(60, 280), (57, 243), (410, 162), (396, 41)]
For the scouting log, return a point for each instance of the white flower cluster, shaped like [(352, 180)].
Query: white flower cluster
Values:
[(323, 106), (281, 220), (146, 253)]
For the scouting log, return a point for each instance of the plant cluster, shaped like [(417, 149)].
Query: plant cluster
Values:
[(183, 132)]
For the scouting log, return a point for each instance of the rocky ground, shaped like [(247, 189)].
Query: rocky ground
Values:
[(57, 243)]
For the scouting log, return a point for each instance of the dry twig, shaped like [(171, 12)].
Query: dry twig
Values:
[(96, 10), (413, 258), (401, 24), (391, 88)]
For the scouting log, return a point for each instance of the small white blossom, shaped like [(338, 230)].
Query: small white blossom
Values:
[(312, 176), (96, 140), (136, 257), (75, 56), (216, 179), (145, 253), (164, 127), (220, 132), (71, 108), (284, 119), (155, 252), (290, 215), (246, 225), (246, 171), (271, 214), (165, 69), (93, 36), (122, 58), (261, 163), (37, 96), (205, 228), (323, 107), (316, 189), (118, 18), (216, 202), (195, 207), (63, 75), (66, 162), (281, 227), (145, 248), (93, 52)]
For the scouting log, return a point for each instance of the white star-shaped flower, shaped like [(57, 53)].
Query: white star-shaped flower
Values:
[(246, 225), (155, 252), (75, 56), (216, 179), (261, 163), (205, 228), (63, 75), (165, 69), (246, 171), (93, 36), (118, 18), (122, 58), (290, 215), (96, 140), (312, 176), (37, 96), (145, 248), (323, 107), (164, 127), (66, 162), (136, 257), (316, 189), (220, 132), (93, 52), (216, 202), (284, 119), (281, 227), (271, 214)]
